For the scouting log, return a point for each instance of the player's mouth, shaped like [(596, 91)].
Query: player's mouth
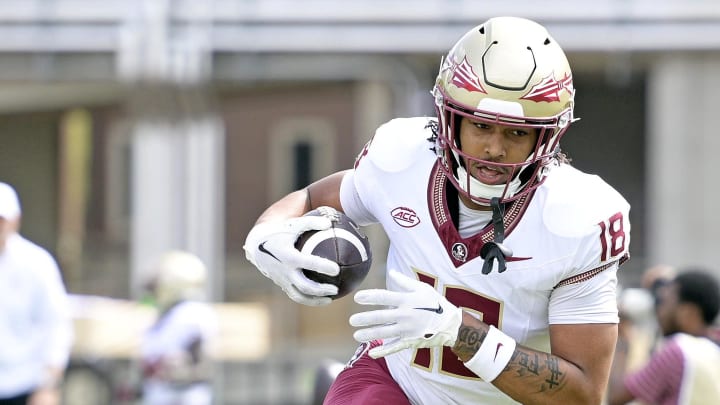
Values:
[(491, 175)]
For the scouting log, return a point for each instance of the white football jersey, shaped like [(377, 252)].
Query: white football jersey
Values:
[(169, 339), (567, 239)]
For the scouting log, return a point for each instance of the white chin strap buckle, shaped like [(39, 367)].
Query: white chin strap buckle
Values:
[(481, 190)]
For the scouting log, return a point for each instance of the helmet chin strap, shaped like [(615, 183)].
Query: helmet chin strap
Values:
[(496, 250), (482, 190)]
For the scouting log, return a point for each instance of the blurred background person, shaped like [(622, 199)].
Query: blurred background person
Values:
[(653, 278), (176, 363), (656, 276), (638, 331), (35, 326), (684, 370)]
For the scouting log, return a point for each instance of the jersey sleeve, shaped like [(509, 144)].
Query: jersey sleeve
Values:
[(594, 217), (591, 300), (392, 150), (588, 292), (351, 202)]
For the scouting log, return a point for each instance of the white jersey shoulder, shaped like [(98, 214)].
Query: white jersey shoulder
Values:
[(393, 147), (575, 202)]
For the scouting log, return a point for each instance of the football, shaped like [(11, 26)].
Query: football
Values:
[(345, 244)]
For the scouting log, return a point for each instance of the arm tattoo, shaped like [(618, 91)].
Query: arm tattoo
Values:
[(527, 362), (553, 366), (547, 374), (468, 341), (539, 371)]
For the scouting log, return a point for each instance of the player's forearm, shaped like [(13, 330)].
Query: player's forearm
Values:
[(292, 205), (534, 377), (324, 192), (531, 376)]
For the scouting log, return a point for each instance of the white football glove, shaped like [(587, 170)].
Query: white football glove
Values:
[(271, 248), (419, 317)]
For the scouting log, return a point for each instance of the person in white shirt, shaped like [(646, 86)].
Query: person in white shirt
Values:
[(176, 349), (501, 271), (36, 332)]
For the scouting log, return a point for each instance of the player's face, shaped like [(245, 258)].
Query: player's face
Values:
[(665, 310), (494, 143)]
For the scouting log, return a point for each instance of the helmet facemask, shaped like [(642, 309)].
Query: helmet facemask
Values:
[(525, 176)]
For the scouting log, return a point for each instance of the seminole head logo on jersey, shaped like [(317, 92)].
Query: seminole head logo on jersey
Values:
[(459, 252)]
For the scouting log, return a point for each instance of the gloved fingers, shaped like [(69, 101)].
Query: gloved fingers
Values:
[(376, 317), (386, 349), (309, 223), (404, 282), (315, 263), (281, 236), (378, 296), (309, 287), (379, 332), (310, 300), (294, 259), (285, 252)]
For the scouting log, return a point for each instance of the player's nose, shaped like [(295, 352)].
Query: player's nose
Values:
[(494, 145)]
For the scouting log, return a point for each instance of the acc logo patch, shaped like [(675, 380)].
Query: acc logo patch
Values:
[(405, 217)]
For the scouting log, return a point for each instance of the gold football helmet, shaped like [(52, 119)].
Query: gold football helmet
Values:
[(179, 276), (506, 71)]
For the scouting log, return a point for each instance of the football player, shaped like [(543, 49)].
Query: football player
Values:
[(175, 349), (501, 281)]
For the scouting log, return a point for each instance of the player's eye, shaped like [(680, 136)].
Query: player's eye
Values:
[(519, 132), (481, 125)]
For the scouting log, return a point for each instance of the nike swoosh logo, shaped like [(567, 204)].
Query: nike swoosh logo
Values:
[(437, 310), (267, 252), (516, 259), (497, 350)]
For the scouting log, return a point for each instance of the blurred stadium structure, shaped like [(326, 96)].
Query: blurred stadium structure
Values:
[(133, 126)]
